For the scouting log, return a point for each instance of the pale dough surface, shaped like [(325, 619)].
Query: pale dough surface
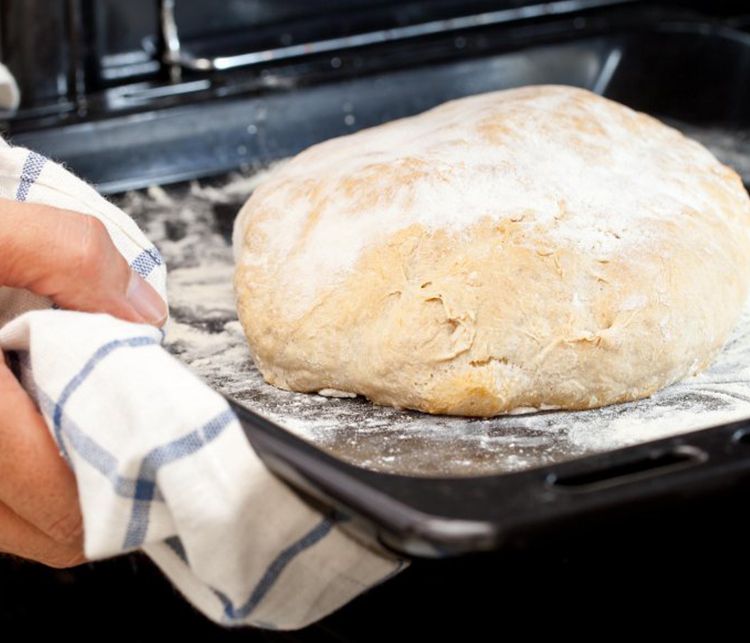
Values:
[(530, 248)]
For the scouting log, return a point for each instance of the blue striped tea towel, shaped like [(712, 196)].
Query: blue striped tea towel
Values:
[(161, 463)]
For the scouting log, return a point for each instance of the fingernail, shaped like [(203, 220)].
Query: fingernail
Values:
[(146, 300)]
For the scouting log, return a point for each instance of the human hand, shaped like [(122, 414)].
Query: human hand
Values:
[(70, 258)]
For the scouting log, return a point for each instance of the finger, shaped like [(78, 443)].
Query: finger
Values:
[(70, 258), (20, 538), (35, 481)]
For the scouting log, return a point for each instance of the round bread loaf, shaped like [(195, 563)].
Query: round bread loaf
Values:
[(534, 248)]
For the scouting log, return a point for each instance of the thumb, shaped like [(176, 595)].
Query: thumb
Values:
[(70, 258)]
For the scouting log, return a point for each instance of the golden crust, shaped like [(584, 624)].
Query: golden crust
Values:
[(507, 310)]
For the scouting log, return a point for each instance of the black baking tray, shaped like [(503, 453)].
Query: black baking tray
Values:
[(694, 72), (439, 517)]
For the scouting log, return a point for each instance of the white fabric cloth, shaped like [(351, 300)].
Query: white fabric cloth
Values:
[(161, 462)]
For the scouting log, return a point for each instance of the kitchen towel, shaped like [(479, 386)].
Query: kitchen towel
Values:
[(160, 460)]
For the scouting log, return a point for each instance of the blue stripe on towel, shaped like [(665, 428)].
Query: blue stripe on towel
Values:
[(81, 376), (141, 488), (32, 168), (273, 571), (175, 544), (146, 261), (157, 458), (92, 452)]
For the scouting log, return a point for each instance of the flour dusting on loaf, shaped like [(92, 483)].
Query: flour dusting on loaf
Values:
[(534, 247)]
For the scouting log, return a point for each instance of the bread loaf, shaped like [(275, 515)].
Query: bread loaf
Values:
[(534, 248)]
